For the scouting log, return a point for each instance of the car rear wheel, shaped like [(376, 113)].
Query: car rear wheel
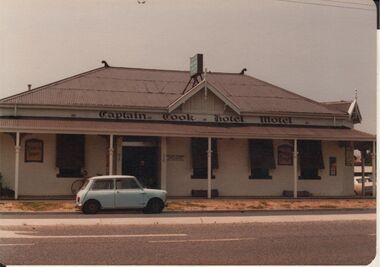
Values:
[(91, 207), (155, 205)]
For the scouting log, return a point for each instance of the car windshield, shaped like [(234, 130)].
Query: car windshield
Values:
[(84, 184)]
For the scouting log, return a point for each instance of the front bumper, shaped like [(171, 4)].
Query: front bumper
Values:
[(79, 205)]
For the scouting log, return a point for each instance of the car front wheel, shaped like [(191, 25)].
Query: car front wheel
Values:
[(155, 205), (91, 207)]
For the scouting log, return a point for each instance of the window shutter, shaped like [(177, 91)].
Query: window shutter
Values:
[(214, 155), (310, 154), (199, 148), (70, 151), (261, 153), (199, 152)]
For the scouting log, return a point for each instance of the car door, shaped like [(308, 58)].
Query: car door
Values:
[(103, 190), (128, 194)]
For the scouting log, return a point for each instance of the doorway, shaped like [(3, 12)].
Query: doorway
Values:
[(141, 162)]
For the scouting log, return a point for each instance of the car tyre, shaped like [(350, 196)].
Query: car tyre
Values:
[(155, 205), (91, 207)]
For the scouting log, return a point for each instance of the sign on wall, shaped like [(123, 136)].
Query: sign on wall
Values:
[(232, 118), (34, 150), (285, 155)]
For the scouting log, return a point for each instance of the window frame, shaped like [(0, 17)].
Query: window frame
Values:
[(66, 170), (102, 180), (264, 175), (307, 176), (131, 179), (202, 173)]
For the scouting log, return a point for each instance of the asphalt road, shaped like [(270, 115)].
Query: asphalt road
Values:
[(322, 243), (137, 214)]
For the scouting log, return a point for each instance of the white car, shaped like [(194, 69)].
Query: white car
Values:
[(367, 186), (118, 192)]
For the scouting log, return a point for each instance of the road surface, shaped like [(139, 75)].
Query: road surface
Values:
[(323, 243)]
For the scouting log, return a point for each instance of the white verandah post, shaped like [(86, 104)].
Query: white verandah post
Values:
[(209, 151), (17, 163), (110, 155), (374, 174), (362, 156), (163, 162), (295, 169)]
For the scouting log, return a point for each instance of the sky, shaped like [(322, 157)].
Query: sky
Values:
[(321, 49)]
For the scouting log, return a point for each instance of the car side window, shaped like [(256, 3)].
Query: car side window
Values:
[(126, 184), (103, 185)]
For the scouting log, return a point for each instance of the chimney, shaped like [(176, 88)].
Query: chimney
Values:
[(29, 87)]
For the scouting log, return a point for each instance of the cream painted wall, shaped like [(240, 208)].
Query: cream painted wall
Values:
[(340, 185), (40, 178), (231, 177), (7, 160), (234, 170)]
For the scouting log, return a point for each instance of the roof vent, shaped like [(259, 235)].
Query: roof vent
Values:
[(105, 64), (29, 87), (242, 71)]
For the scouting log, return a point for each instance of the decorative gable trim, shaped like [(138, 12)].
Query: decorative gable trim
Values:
[(204, 84), (354, 112)]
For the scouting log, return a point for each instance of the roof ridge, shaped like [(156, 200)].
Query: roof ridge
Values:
[(290, 92), (117, 91), (164, 70), (49, 84)]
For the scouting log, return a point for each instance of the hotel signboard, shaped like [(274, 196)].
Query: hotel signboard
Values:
[(116, 115)]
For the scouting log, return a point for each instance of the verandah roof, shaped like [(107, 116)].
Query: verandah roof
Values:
[(180, 130)]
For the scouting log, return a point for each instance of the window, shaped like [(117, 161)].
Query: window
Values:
[(70, 155), (126, 184), (332, 166), (262, 158), (260, 173), (103, 185), (311, 160), (199, 148)]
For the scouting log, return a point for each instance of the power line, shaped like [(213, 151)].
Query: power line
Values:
[(318, 4), (345, 2)]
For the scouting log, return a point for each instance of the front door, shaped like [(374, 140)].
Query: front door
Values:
[(141, 162)]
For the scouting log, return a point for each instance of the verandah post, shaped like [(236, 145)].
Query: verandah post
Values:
[(209, 151), (110, 151), (374, 178), (295, 169), (362, 156), (163, 148), (17, 163)]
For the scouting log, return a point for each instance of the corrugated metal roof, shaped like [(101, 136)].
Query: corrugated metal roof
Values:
[(181, 130), (339, 105), (129, 87)]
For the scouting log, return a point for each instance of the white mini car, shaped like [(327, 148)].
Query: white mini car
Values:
[(118, 192)]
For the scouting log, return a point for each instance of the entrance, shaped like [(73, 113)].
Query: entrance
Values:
[(142, 163)]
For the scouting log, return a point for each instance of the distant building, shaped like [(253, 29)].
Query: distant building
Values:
[(156, 125)]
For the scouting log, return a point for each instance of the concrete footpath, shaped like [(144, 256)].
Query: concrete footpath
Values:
[(178, 219)]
